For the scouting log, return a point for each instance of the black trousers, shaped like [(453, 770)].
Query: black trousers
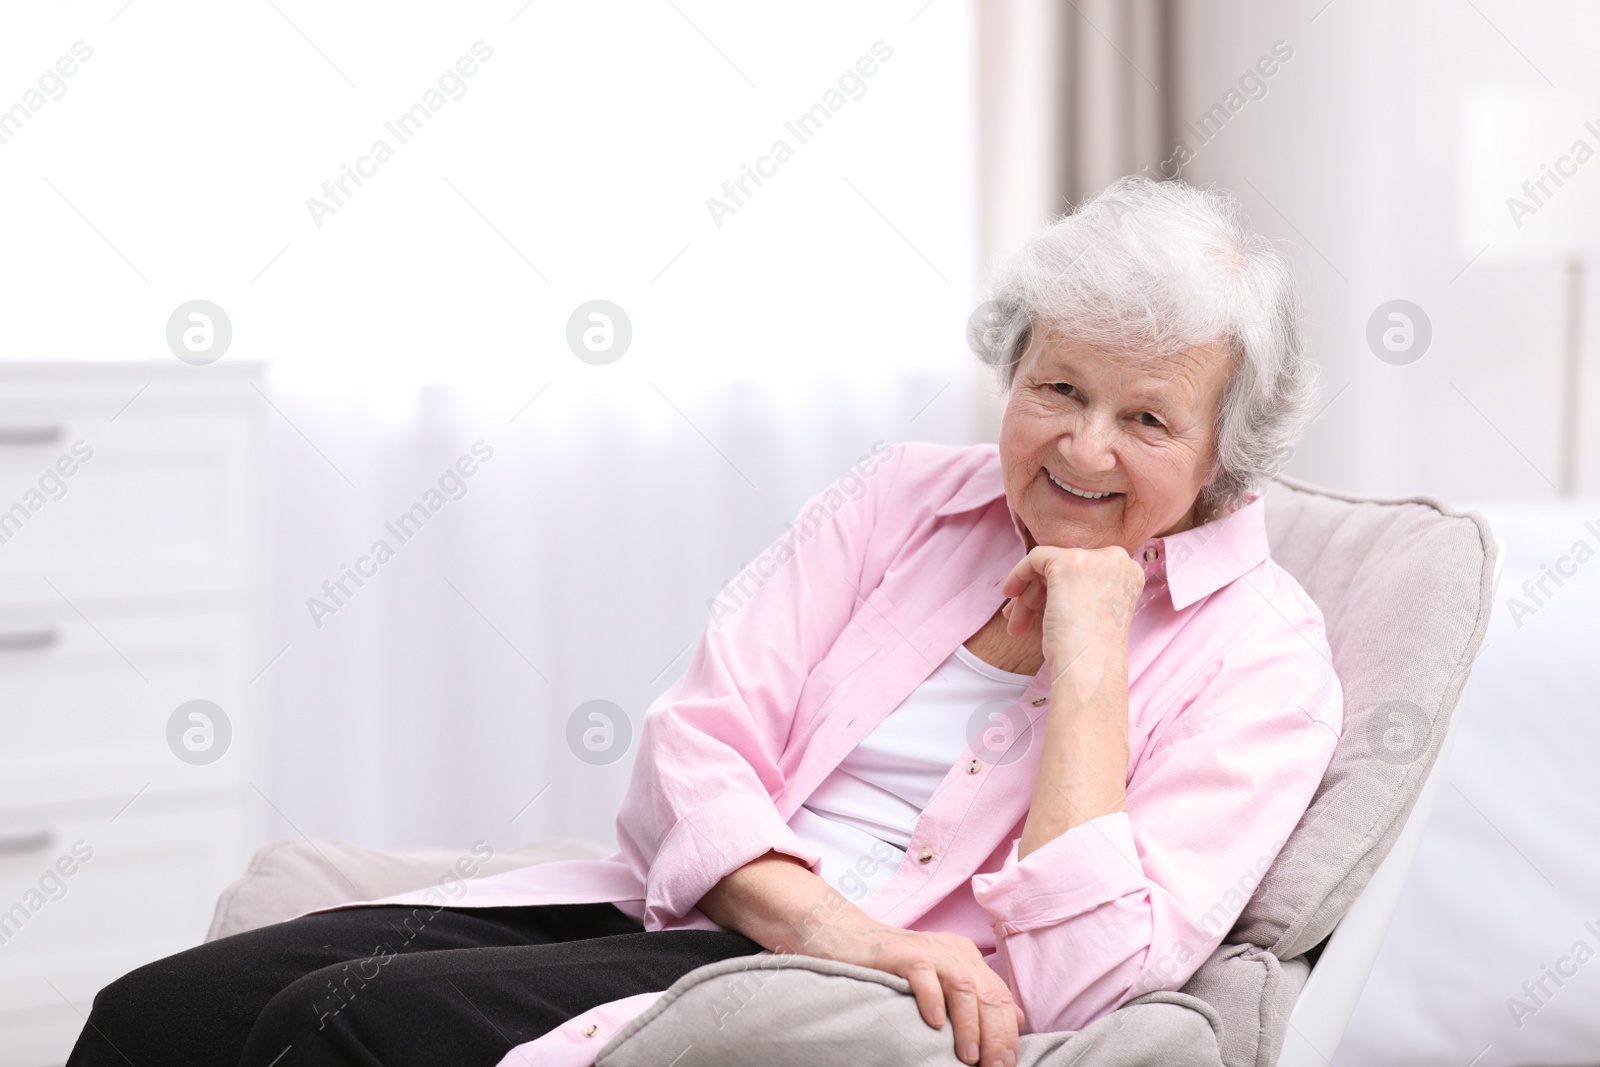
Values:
[(389, 985)]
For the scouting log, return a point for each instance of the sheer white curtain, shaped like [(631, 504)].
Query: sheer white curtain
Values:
[(771, 348), (430, 704)]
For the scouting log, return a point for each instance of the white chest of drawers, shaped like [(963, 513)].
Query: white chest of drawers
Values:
[(132, 520)]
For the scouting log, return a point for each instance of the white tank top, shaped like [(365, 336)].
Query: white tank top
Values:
[(862, 815)]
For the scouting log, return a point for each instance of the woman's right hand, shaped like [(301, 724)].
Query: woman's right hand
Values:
[(948, 976), (777, 902)]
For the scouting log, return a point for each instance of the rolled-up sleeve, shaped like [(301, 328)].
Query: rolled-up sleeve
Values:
[(1136, 900), (699, 804)]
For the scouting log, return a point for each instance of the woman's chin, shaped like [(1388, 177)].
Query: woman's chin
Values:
[(1059, 533)]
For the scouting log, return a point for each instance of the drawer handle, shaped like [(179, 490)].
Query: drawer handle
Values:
[(16, 842), (30, 435), (28, 640)]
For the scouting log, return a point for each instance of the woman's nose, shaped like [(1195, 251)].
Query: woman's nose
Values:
[(1088, 447)]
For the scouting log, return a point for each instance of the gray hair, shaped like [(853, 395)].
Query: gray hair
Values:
[(1148, 269)]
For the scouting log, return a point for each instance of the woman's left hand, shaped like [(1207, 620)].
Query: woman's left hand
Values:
[(1086, 595)]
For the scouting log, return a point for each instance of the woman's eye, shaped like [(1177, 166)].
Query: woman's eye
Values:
[(1064, 389), (1147, 419)]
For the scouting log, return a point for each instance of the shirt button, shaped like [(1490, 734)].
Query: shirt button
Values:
[(1150, 554), (974, 767), (925, 855), (589, 1031), (1039, 700)]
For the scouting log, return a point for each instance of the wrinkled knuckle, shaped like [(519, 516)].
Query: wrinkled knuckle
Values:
[(963, 983), (995, 998)]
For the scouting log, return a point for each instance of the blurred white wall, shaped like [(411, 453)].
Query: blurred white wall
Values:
[(1357, 153)]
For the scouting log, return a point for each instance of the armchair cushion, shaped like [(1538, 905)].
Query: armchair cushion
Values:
[(1404, 587), (801, 1011)]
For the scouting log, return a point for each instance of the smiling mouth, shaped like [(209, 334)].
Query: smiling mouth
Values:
[(1081, 494)]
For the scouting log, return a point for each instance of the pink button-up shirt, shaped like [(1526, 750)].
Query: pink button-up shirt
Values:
[(1233, 713)]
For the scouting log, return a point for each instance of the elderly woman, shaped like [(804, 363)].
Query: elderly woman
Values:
[(1023, 725)]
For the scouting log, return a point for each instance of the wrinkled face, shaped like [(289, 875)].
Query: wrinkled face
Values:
[(1096, 451)]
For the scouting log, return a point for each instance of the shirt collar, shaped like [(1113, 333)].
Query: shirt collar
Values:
[(1198, 562), (1194, 563), (983, 488)]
